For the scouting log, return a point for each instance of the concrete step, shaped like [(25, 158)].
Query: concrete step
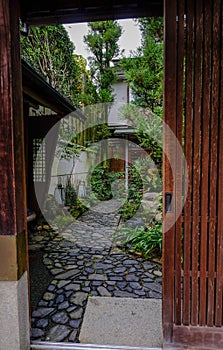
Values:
[(122, 322)]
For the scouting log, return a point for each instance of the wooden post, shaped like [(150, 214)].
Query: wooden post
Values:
[(14, 292)]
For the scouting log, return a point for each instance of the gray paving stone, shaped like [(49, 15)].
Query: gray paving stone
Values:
[(42, 303), (51, 288), (69, 274), (97, 277), (121, 285), (58, 333), (73, 286), (78, 298), (101, 265), (97, 283), (60, 291), (123, 294), (75, 323), (116, 278), (63, 305), (157, 273), (135, 285), (73, 336), (63, 283), (42, 312), (89, 270), (60, 317), (129, 262), (139, 292), (76, 314), (131, 277), (60, 299), (42, 323), (56, 271), (68, 293), (71, 308), (153, 286), (155, 295), (119, 270), (103, 291), (37, 333)]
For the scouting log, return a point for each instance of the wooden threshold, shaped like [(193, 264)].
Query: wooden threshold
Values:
[(72, 346)]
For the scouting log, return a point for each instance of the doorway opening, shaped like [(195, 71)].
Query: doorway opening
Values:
[(97, 278)]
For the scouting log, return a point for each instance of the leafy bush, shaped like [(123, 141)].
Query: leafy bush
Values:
[(129, 208), (146, 241), (77, 209), (101, 181)]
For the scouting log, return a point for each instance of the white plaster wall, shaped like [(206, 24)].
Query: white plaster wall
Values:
[(14, 315), (120, 90)]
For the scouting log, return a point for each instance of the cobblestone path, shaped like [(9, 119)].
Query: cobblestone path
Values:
[(84, 263)]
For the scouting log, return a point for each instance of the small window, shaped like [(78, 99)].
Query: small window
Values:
[(39, 160)]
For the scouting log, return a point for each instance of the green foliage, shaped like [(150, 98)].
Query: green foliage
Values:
[(149, 129), (144, 70), (145, 241), (70, 195), (77, 209), (130, 207), (50, 51), (102, 42), (86, 89), (101, 181), (61, 221)]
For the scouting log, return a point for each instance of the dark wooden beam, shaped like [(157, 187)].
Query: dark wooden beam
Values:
[(55, 12)]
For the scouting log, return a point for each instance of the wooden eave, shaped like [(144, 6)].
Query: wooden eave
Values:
[(71, 11), (39, 92)]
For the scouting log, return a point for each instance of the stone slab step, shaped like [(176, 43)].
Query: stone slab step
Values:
[(122, 322)]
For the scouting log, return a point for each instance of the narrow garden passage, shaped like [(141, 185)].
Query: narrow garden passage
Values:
[(84, 262)]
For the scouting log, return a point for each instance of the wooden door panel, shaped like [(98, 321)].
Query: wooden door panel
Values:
[(192, 247)]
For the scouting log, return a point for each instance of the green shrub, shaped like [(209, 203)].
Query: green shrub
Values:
[(101, 181), (77, 209), (146, 241)]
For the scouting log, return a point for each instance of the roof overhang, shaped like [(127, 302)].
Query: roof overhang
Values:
[(74, 11), (38, 92)]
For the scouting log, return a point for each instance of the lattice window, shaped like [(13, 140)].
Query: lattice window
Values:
[(39, 160)]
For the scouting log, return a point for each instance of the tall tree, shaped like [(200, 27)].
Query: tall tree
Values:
[(87, 90), (50, 51), (144, 69), (102, 42)]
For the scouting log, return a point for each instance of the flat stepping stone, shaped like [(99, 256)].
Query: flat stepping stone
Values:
[(122, 322)]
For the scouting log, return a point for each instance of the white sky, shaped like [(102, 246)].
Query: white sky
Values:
[(129, 40)]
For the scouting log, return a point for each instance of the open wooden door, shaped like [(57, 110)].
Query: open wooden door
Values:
[(193, 245)]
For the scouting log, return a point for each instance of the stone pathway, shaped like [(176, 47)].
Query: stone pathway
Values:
[(82, 263)]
